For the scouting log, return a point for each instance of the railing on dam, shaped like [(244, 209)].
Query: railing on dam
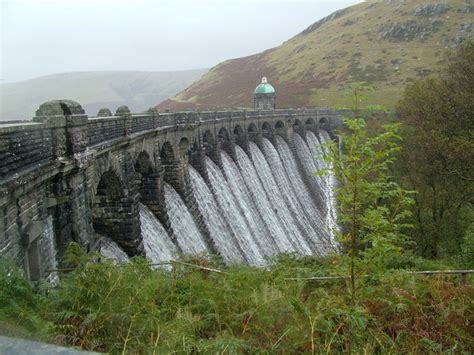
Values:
[(27, 144)]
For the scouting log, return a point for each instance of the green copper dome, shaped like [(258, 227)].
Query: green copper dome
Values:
[(264, 87)]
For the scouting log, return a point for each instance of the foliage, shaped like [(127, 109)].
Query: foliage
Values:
[(19, 304), (131, 308), (438, 156), (372, 208)]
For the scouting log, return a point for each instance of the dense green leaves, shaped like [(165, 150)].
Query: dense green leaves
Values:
[(133, 309), (438, 156)]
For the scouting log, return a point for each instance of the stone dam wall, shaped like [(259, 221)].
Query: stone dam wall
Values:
[(69, 177)]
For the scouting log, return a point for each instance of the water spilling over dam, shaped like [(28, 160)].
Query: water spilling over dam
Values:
[(260, 204), (239, 185)]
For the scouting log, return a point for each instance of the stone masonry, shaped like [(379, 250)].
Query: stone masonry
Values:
[(68, 177)]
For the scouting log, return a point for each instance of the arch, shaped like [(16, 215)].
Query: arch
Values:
[(323, 121), (167, 153), (208, 137), (110, 186), (143, 165), (297, 123), (223, 135), (238, 131), (266, 129), (310, 124), (252, 128), (279, 125), (116, 215), (183, 144)]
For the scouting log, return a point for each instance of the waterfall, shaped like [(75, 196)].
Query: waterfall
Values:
[(253, 208), (187, 234), (322, 240), (221, 233), (328, 181), (111, 250), (233, 214), (259, 196), (47, 246), (248, 207), (288, 190), (309, 166), (156, 242), (278, 204)]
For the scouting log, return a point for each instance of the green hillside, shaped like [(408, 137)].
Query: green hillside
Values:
[(94, 90), (386, 43)]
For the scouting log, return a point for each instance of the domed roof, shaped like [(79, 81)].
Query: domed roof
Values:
[(264, 87)]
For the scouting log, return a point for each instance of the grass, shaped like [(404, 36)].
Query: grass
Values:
[(130, 308), (336, 54)]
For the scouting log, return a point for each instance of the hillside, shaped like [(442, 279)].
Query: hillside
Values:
[(94, 90), (385, 43)]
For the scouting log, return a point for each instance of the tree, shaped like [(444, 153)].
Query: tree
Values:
[(438, 156), (372, 207)]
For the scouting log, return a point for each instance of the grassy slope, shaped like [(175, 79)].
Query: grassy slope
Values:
[(312, 68), (93, 90)]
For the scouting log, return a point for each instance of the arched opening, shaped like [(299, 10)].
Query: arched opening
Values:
[(223, 136), (208, 143), (167, 153), (239, 136), (252, 132), (310, 125), (280, 129), (184, 144), (110, 187), (144, 172), (323, 123), (238, 131), (116, 215), (297, 124), (266, 130)]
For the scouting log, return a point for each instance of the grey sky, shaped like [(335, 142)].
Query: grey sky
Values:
[(41, 37)]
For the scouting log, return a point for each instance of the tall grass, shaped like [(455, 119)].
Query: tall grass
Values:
[(131, 308)]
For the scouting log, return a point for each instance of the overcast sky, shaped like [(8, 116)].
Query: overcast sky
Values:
[(40, 37)]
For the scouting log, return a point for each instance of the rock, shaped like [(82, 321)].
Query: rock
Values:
[(11, 346), (465, 27), (431, 10), (466, 9), (408, 30), (321, 22)]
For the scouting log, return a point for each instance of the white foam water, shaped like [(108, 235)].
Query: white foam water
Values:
[(232, 212), (158, 246), (220, 231), (186, 232)]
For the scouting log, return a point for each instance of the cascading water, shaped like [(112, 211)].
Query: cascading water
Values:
[(156, 241), (187, 234), (111, 250), (323, 240), (277, 201), (288, 189), (309, 167), (254, 208), (47, 246), (221, 233), (233, 214), (328, 180), (242, 195), (259, 196)]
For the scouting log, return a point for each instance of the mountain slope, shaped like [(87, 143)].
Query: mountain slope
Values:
[(94, 90), (385, 43)]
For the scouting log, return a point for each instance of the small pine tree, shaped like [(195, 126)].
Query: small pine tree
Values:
[(372, 207)]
